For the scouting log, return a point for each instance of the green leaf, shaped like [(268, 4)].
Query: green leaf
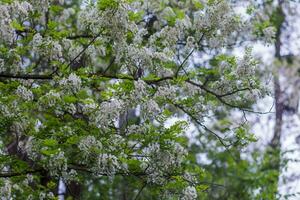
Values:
[(107, 4), (198, 4), (16, 25), (48, 152), (50, 142), (70, 99)]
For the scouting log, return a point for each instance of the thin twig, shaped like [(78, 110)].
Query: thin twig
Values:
[(26, 76), (110, 64), (202, 125), (188, 56), (14, 174), (140, 191), (83, 50)]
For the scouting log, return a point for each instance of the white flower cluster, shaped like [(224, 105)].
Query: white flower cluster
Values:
[(138, 38), (24, 93), (115, 142), (212, 15), (117, 25), (269, 34), (88, 106), (137, 56), (69, 176), (2, 63), (166, 92), (240, 74), (44, 196), (46, 47), (150, 108), (66, 14), (162, 161), (191, 90), (6, 190), (247, 65), (67, 130), (57, 164), (71, 48), (28, 180), (9, 13), (107, 164), (168, 36), (219, 18), (50, 99), (189, 193), (140, 91), (136, 129), (73, 82), (5, 111), (70, 108), (89, 142), (108, 113), (184, 24), (6, 31), (95, 52), (41, 5), (90, 18), (22, 8)]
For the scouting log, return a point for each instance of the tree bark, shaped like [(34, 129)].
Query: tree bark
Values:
[(273, 152)]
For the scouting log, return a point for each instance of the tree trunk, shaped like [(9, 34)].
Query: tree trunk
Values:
[(273, 152)]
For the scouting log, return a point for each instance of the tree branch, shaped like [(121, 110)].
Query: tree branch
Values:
[(26, 76), (84, 49), (153, 81), (74, 37), (202, 125), (14, 174), (188, 56), (140, 191)]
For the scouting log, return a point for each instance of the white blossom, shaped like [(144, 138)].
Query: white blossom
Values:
[(138, 39), (46, 47), (269, 34), (189, 193), (184, 24), (166, 92), (57, 163), (6, 31), (140, 91), (71, 108), (108, 164), (41, 5), (108, 113), (50, 99), (42, 195), (161, 161), (88, 106), (5, 190), (22, 7), (69, 176), (168, 13), (67, 130), (56, 51), (89, 142), (37, 41), (151, 108), (73, 82), (2, 69), (24, 93)]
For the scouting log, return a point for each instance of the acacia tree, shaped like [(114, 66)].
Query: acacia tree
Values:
[(87, 89)]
